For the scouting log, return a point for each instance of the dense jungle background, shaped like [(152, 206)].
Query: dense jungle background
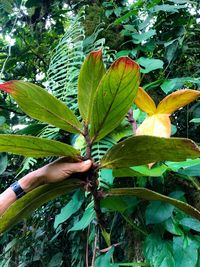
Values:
[(45, 42)]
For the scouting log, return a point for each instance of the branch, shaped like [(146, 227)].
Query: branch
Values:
[(131, 120)]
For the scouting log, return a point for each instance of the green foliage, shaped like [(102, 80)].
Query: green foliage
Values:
[(151, 195), (112, 102), (163, 34), (148, 149), (35, 146), (26, 205), (3, 162), (71, 207), (88, 82), (30, 99)]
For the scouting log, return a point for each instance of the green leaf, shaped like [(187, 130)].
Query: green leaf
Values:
[(114, 97), (56, 260), (195, 120), (175, 166), (105, 259), (158, 252), (177, 83), (151, 195), (39, 104), (185, 252), (71, 207), (140, 171), (167, 8), (158, 212), (3, 162), (23, 207), (139, 150), (191, 171), (171, 225), (2, 120), (191, 223), (32, 129), (149, 64), (131, 264), (118, 203), (90, 75), (107, 177), (141, 37), (36, 147), (86, 219)]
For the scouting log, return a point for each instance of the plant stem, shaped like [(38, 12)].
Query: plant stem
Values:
[(194, 182), (88, 142), (131, 120), (94, 252), (86, 253), (92, 179)]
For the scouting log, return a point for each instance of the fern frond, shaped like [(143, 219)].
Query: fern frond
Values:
[(62, 75)]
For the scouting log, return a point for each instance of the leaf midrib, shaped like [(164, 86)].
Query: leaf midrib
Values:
[(56, 115), (106, 114)]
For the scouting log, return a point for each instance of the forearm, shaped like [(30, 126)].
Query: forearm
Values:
[(56, 171), (27, 183)]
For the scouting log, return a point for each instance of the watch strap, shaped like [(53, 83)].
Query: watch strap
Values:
[(17, 190)]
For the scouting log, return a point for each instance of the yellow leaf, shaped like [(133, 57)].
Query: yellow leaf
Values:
[(145, 102), (155, 125), (177, 100)]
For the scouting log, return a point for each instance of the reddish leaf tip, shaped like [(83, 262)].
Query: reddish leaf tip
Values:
[(128, 62), (96, 54), (7, 87)]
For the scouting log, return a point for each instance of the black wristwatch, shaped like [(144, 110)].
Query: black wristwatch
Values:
[(17, 189)]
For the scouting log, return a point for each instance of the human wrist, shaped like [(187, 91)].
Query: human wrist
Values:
[(32, 180)]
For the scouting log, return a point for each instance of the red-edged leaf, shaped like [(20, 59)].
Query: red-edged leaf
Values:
[(39, 104), (114, 97), (90, 75)]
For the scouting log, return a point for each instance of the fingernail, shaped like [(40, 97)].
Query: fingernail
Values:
[(87, 162)]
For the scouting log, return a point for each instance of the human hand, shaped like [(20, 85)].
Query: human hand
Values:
[(61, 169)]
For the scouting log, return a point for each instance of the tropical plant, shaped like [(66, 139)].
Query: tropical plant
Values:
[(104, 99), (158, 122)]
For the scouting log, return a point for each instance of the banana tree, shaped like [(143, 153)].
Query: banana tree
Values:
[(104, 98)]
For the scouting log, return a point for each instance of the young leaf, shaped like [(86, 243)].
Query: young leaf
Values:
[(158, 123), (90, 75), (147, 194), (23, 207), (86, 219), (39, 104), (72, 206), (36, 147), (177, 100), (145, 102), (114, 97), (155, 125), (139, 150)]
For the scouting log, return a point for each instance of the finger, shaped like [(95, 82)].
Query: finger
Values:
[(79, 166)]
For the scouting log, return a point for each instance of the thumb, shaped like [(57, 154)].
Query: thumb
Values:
[(80, 166)]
